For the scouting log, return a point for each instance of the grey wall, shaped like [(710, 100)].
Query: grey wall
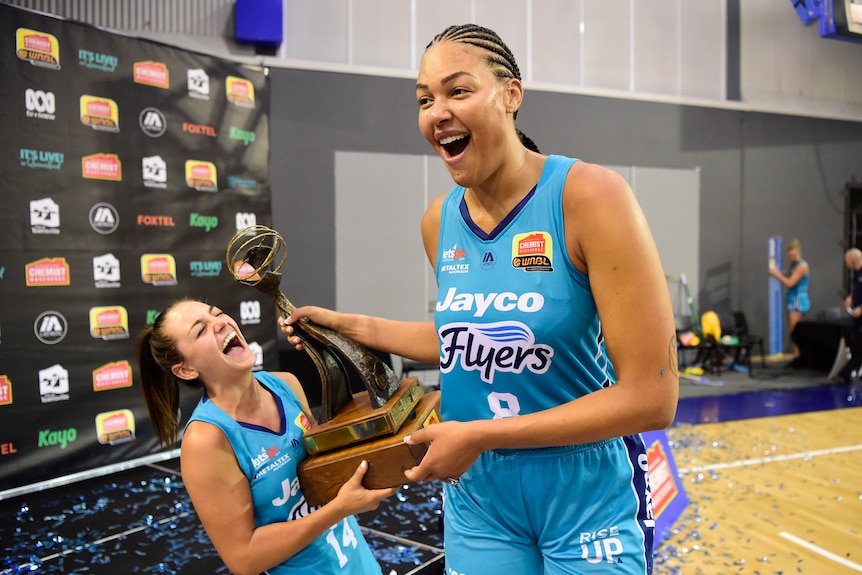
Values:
[(760, 175)]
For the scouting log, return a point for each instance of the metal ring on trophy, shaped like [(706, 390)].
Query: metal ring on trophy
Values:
[(263, 246)]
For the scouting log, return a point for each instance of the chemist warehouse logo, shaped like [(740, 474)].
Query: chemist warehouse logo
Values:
[(115, 375), (532, 252), (159, 269), (503, 346), (201, 175), (109, 322), (239, 91), (47, 272), (101, 114), (150, 73), (113, 427), (38, 48), (102, 167)]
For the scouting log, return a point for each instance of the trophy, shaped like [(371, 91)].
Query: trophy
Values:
[(369, 425)]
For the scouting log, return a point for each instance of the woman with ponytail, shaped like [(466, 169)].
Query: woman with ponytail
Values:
[(241, 449)]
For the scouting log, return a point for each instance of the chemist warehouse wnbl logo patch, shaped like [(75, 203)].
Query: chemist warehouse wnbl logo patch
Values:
[(532, 252)]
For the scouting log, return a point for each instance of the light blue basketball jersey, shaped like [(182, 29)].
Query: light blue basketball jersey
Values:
[(517, 323), (797, 296), (269, 460), (519, 333)]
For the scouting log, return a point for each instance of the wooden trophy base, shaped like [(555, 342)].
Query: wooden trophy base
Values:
[(322, 475), (358, 421)]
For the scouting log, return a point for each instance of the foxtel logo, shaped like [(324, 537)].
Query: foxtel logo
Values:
[(199, 129)]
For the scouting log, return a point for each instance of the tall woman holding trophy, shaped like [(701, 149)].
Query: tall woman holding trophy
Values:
[(555, 341), (241, 449)]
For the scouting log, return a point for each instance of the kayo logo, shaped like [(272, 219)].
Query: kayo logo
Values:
[(244, 136), (201, 221), (60, 437)]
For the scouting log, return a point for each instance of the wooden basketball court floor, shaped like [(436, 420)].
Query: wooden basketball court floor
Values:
[(770, 495)]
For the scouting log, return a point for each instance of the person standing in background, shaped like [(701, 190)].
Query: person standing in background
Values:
[(853, 305), (554, 335), (796, 298)]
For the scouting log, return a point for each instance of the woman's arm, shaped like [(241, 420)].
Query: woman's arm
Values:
[(416, 340), (799, 272), (608, 238), (222, 500)]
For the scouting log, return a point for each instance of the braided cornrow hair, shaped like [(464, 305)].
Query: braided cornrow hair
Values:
[(500, 59)]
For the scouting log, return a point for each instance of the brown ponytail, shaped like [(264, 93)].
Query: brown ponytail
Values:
[(161, 388)]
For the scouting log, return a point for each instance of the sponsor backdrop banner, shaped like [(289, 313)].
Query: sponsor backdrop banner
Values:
[(126, 166)]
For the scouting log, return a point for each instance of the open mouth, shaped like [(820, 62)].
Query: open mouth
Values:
[(455, 145), (232, 345)]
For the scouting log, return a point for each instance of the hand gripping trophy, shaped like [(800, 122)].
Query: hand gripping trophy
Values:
[(369, 425)]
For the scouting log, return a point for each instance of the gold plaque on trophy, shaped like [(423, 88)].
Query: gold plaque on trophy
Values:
[(351, 427), (388, 457)]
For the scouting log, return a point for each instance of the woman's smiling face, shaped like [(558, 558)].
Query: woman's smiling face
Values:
[(462, 108), (207, 339)]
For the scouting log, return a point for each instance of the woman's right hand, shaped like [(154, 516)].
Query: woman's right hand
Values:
[(321, 316), (355, 498)]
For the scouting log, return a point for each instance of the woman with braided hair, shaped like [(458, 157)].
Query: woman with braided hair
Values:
[(553, 329)]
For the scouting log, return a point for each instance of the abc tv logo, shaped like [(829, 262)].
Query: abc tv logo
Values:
[(40, 104), (249, 312)]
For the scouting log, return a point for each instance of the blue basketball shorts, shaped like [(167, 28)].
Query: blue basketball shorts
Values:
[(799, 302), (581, 509)]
